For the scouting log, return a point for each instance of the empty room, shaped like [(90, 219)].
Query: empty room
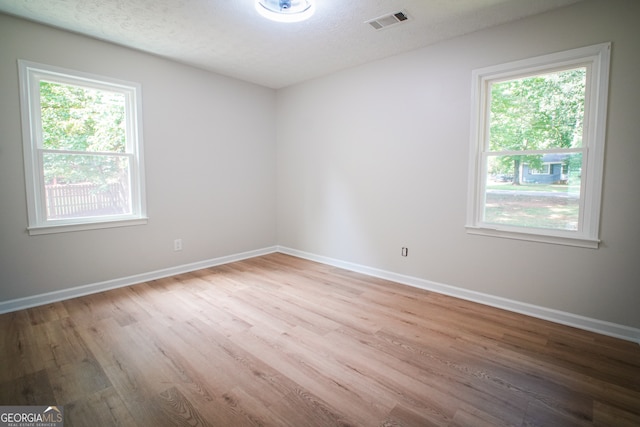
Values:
[(319, 213)]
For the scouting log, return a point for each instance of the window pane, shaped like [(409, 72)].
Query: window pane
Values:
[(541, 191), (538, 112), (78, 185), (77, 118)]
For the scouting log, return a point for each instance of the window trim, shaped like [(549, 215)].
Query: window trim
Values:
[(596, 58), (30, 75)]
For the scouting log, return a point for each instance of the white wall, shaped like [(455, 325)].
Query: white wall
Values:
[(374, 158), (367, 161), (209, 144)]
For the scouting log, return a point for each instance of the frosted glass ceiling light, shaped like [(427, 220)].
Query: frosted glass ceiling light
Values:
[(286, 10)]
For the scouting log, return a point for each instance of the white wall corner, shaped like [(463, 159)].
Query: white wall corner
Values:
[(594, 325)]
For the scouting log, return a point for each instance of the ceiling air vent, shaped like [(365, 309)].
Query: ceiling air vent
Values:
[(387, 20)]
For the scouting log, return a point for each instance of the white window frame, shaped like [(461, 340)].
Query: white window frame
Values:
[(544, 170), (30, 74), (596, 59)]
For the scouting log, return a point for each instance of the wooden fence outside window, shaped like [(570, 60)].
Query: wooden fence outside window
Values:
[(86, 199)]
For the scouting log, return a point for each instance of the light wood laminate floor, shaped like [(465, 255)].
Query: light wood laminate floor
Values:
[(280, 341)]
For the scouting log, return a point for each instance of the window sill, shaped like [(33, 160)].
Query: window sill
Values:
[(541, 238), (66, 227)]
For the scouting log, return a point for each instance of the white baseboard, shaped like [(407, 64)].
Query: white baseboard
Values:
[(78, 291), (594, 325), (569, 319)]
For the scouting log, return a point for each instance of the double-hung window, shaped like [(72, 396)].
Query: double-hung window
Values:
[(82, 138), (537, 147)]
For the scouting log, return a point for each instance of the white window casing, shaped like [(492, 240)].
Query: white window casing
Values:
[(596, 60), (31, 74)]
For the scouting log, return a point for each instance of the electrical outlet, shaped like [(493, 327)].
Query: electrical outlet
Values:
[(177, 245), (405, 252)]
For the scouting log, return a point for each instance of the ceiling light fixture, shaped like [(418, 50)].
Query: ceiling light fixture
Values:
[(286, 10)]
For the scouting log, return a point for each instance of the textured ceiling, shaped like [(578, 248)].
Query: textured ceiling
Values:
[(230, 38)]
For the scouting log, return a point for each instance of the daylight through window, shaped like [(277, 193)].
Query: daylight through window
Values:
[(537, 149), (83, 156)]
